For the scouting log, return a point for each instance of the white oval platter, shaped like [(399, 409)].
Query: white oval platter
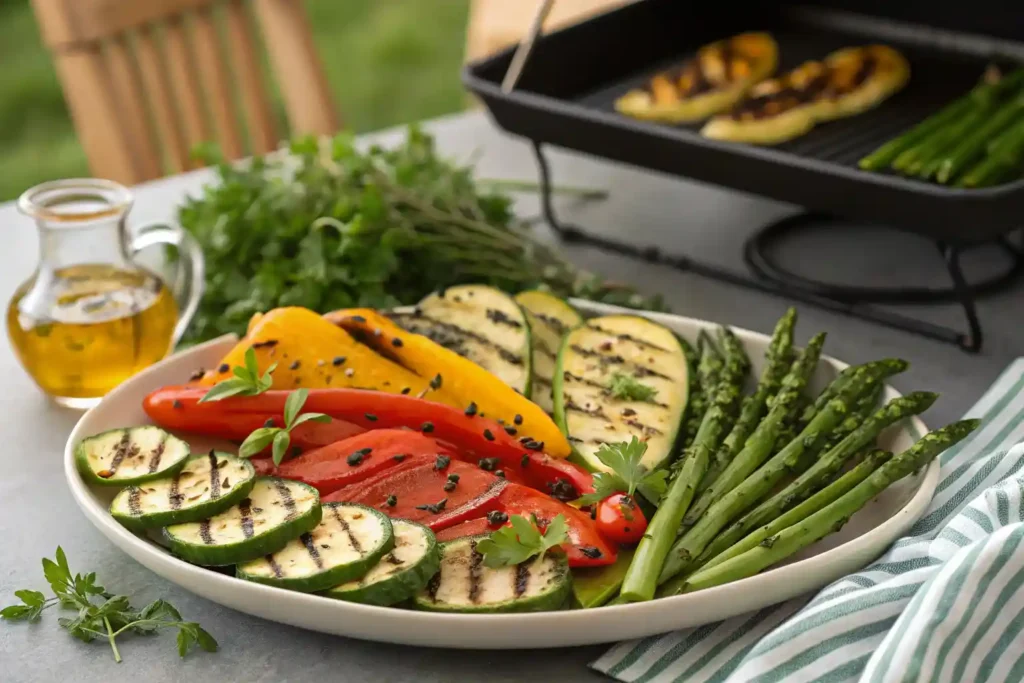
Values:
[(864, 538)]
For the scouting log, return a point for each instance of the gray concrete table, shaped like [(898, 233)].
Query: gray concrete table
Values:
[(37, 513)]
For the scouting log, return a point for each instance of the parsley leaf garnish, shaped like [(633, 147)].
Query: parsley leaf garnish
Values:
[(511, 545), (627, 388), (246, 381), (102, 614), (627, 472), (281, 437)]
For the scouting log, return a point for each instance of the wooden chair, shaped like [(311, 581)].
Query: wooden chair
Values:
[(146, 80)]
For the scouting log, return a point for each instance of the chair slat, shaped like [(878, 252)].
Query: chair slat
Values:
[(131, 103), (245, 60), (186, 84), (158, 90), (217, 84), (299, 71)]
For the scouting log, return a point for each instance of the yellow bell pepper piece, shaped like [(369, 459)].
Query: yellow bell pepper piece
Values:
[(459, 377)]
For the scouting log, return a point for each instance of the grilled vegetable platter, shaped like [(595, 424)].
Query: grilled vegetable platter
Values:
[(488, 453)]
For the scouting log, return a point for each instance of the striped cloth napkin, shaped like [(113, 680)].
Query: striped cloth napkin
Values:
[(945, 603)]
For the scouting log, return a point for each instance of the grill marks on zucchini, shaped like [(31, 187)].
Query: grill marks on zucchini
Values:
[(465, 584), (245, 510), (348, 541), (482, 324), (588, 411), (207, 485), (550, 320), (121, 457)]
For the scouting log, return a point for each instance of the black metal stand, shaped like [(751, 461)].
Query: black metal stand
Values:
[(772, 279)]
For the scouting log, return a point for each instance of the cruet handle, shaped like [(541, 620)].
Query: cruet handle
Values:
[(189, 280)]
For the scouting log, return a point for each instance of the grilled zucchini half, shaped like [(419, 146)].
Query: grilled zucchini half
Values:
[(122, 457), (621, 376), (466, 584), (208, 485), (718, 76), (401, 573), (349, 540), (550, 319), (846, 83), (276, 512), (482, 324)]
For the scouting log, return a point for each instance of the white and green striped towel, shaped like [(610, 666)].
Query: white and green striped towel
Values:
[(945, 603)]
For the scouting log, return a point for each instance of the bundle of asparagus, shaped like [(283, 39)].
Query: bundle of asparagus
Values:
[(975, 141), (764, 476)]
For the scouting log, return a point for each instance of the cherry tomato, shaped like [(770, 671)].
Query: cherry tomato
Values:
[(619, 519)]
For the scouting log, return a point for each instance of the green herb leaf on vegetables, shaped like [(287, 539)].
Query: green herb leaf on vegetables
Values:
[(512, 545), (625, 387), (101, 615), (624, 459), (247, 380), (279, 438)]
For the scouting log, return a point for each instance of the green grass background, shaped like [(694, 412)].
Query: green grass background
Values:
[(388, 62)]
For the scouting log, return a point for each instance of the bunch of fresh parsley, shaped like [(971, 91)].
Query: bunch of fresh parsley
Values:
[(627, 473), (340, 227), (521, 540), (101, 614)]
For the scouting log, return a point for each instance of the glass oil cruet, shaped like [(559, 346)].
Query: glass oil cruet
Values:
[(90, 316)]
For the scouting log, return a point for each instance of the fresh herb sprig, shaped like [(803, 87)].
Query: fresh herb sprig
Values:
[(102, 615), (247, 380), (281, 437), (339, 226), (628, 388), (628, 474), (511, 545)]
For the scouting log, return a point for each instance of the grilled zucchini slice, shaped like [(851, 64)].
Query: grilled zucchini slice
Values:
[(846, 83), (401, 573), (465, 584), (349, 540), (616, 350), (550, 319), (208, 485), (482, 324), (276, 512), (122, 457), (716, 78)]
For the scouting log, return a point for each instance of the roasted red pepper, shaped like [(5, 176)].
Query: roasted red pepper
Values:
[(473, 527), (472, 438), (354, 459), (436, 494)]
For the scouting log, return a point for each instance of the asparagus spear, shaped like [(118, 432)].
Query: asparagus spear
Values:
[(1005, 155), (972, 146), (821, 471), (836, 385), (929, 154), (834, 515), (697, 403), (861, 411), (837, 488), (641, 577), (980, 95), (777, 361), (730, 505), (760, 443)]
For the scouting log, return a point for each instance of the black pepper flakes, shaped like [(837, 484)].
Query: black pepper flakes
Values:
[(453, 477), (499, 473), (488, 435), (338, 360), (471, 409), (370, 416), (358, 319), (518, 419), (435, 383), (591, 552), (524, 461), (392, 501), (489, 464), (265, 344), (198, 374), (294, 366), (496, 517), (176, 404), (224, 367), (396, 342), (406, 390), (441, 462), (510, 430), (449, 486), (355, 459), (269, 423), (433, 508), (427, 427), (400, 457), (628, 412)]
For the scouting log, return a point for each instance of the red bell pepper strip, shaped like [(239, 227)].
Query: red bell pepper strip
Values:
[(419, 494), (178, 408), (354, 459), (472, 437), (473, 527), (587, 548)]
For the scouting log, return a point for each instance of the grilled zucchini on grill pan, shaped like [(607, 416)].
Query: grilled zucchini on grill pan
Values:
[(712, 81), (848, 82)]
